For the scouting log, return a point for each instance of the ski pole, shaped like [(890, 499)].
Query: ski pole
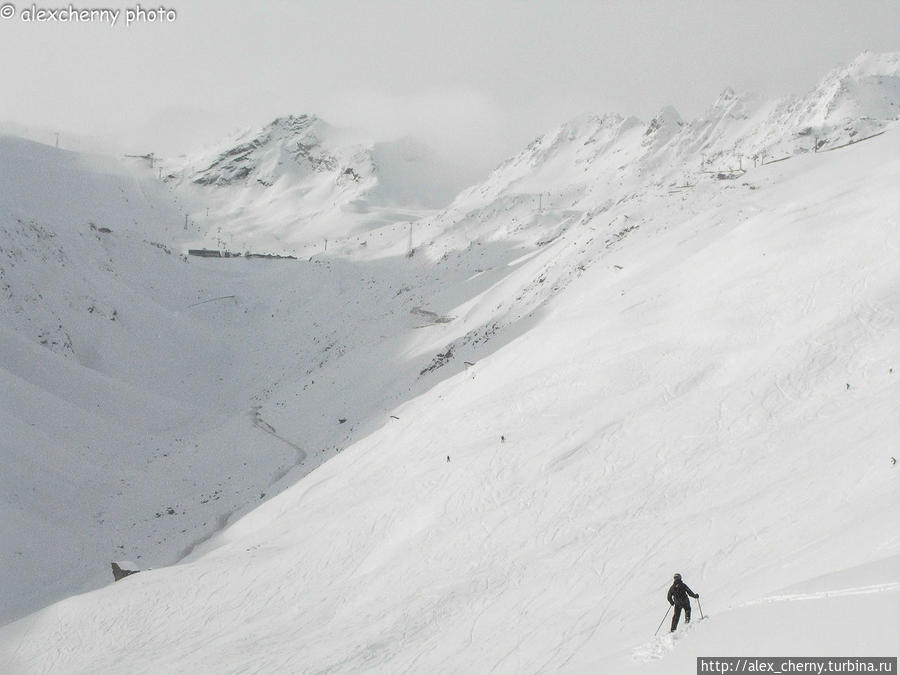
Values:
[(700, 607), (663, 619)]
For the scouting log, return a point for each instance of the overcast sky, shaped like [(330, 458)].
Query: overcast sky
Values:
[(478, 79)]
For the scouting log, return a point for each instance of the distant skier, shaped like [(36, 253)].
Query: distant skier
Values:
[(678, 597)]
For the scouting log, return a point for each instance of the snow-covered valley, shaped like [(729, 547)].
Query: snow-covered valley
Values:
[(162, 392), (634, 349)]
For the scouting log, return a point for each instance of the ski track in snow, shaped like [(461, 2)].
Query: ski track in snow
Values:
[(837, 593)]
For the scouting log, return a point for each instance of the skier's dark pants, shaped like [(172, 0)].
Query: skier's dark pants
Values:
[(677, 615)]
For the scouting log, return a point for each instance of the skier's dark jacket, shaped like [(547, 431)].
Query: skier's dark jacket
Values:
[(678, 594)]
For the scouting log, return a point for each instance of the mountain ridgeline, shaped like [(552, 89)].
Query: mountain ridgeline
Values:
[(300, 180)]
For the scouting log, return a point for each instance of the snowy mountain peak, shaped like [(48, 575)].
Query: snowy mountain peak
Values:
[(288, 145), (299, 180), (667, 116), (868, 88), (662, 127), (869, 64), (725, 98), (295, 123), (732, 105), (578, 141), (584, 129)]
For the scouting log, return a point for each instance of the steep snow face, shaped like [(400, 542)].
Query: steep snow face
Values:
[(299, 180), (681, 363)]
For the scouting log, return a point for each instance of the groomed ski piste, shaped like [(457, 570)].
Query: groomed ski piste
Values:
[(624, 355)]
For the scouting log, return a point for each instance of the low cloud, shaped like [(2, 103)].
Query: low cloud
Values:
[(464, 126)]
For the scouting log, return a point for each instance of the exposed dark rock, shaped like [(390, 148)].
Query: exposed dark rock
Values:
[(119, 572)]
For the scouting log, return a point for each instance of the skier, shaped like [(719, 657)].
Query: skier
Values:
[(678, 597)]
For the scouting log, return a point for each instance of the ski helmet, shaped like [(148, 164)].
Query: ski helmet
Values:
[(677, 577)]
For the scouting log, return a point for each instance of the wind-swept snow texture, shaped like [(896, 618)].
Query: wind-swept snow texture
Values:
[(658, 361)]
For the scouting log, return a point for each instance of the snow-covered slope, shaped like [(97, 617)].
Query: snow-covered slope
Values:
[(149, 396), (815, 618), (656, 369), (102, 384), (298, 181)]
